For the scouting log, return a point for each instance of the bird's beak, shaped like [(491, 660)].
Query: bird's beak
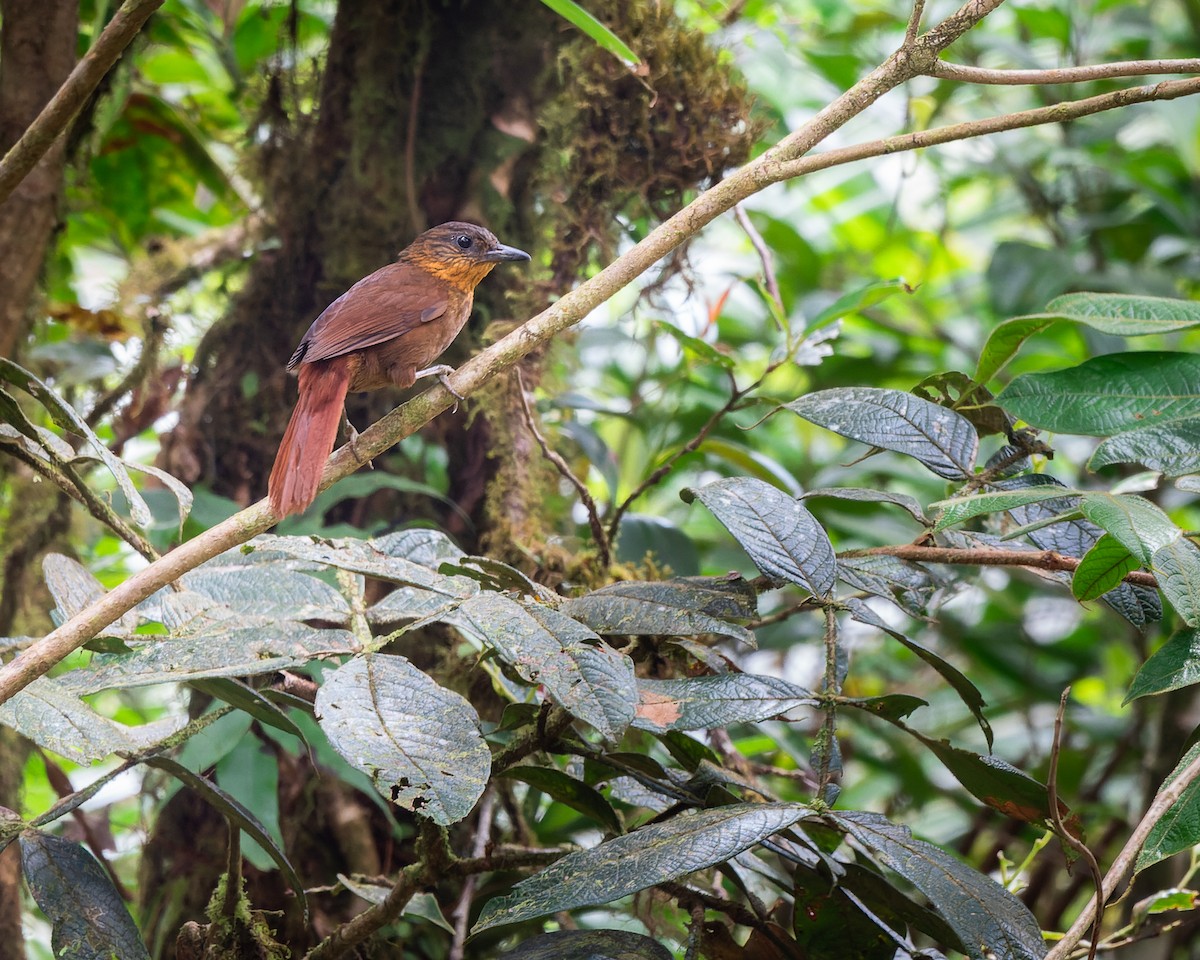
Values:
[(502, 253)]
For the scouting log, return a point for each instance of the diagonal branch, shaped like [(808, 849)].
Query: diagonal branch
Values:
[(782, 162), (1099, 71), (65, 105)]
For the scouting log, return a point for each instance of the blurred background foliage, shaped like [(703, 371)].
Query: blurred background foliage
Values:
[(908, 262)]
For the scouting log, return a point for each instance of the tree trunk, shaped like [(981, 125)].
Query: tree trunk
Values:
[(37, 52)]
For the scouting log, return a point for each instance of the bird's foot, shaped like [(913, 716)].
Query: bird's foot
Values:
[(352, 441), (440, 371)]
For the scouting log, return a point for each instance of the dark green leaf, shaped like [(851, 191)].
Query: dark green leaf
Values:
[(856, 301), (1179, 828), (985, 917), (966, 690), (782, 538), (419, 742), (589, 945), (54, 718), (1102, 568), (567, 790), (655, 854), (668, 608), (89, 918), (1108, 394), (579, 672), (893, 706), (701, 703), (1172, 448), (894, 420), (237, 815), (903, 500), (698, 349), (1175, 664)]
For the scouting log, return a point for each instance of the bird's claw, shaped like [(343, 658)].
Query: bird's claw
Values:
[(352, 442), (440, 371)]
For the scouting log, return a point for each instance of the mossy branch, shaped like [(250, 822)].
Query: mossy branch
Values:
[(917, 56)]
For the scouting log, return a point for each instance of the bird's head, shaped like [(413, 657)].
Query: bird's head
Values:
[(460, 253)]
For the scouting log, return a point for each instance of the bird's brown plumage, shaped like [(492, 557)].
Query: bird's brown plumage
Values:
[(381, 332)]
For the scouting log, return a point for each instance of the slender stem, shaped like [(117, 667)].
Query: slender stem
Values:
[(1123, 866), (764, 254), (63, 107), (1100, 71), (564, 469), (986, 557), (1061, 828)]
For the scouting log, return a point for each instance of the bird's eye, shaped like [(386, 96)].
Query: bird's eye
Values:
[(464, 242)]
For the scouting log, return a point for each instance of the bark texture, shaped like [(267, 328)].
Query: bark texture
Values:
[(37, 52)]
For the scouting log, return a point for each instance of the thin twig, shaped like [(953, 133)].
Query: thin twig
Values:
[(602, 542), (1061, 828), (1100, 71), (987, 557), (156, 331), (65, 105), (1119, 872), (913, 30), (64, 476), (462, 910), (735, 396), (830, 687), (764, 254)]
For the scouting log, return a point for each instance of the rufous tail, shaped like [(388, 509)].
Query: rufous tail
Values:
[(310, 435)]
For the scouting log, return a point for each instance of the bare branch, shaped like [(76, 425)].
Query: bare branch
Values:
[(63, 107), (1062, 829), (1100, 71), (985, 557), (564, 469), (764, 254), (1123, 866)]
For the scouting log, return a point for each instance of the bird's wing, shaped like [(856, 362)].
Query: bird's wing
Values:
[(387, 304)]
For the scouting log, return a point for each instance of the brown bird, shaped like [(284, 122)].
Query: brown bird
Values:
[(384, 331)]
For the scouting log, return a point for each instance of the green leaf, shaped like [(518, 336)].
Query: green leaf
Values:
[(655, 854), (50, 715), (680, 607), (959, 509), (589, 945), (88, 916), (1172, 448), (420, 743), (892, 706), (250, 775), (579, 672), (1148, 533), (696, 348), (1175, 664), (66, 418), (567, 790), (1109, 394), (238, 816), (941, 439), (856, 301), (1179, 828), (863, 494), (1005, 340), (1116, 314), (209, 640), (575, 14), (1127, 315), (701, 703), (783, 539), (966, 690), (986, 917), (1102, 568)]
